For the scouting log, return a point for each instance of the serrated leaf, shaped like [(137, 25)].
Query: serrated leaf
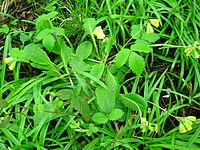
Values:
[(99, 118), (141, 46), (48, 42), (89, 25), (153, 37), (135, 31), (3, 103), (84, 50), (39, 58), (136, 63), (36, 54), (65, 94), (42, 34), (115, 114), (121, 57), (134, 101), (97, 70), (105, 99)]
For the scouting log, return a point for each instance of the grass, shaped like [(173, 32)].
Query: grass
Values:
[(88, 93)]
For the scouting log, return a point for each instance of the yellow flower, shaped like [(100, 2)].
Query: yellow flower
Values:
[(98, 32), (185, 123), (8, 60), (149, 28), (155, 22), (12, 66)]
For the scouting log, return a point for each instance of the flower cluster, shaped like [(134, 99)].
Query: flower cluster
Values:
[(193, 50), (154, 22), (185, 123), (11, 62), (98, 32), (145, 126)]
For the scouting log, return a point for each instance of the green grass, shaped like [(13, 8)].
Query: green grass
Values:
[(74, 91)]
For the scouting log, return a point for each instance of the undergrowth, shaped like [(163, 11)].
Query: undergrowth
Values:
[(99, 74)]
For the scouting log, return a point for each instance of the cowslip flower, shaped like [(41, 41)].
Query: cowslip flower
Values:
[(9, 60), (193, 50), (98, 32), (185, 123), (155, 23), (145, 125)]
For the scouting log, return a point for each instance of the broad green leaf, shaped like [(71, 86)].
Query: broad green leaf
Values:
[(134, 102), (13, 52), (81, 105), (24, 37), (89, 25), (39, 58), (150, 37), (36, 54), (57, 30), (65, 94), (22, 56), (84, 50), (121, 57), (99, 118), (105, 99), (3, 103), (135, 31), (4, 29), (79, 65), (141, 46), (136, 63), (48, 42), (112, 83), (115, 114), (92, 129), (65, 51), (42, 34), (97, 70)]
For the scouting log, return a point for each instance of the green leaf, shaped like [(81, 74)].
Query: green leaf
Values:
[(141, 46), (65, 51), (136, 63), (89, 25), (91, 144), (84, 50), (24, 37), (57, 30), (13, 52), (105, 99), (39, 58), (65, 94), (3, 103), (79, 65), (4, 29), (4, 121), (112, 83), (134, 101), (48, 42), (99, 118), (135, 31), (153, 37), (97, 70), (42, 34), (92, 129), (80, 104), (121, 57), (115, 114), (22, 56)]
